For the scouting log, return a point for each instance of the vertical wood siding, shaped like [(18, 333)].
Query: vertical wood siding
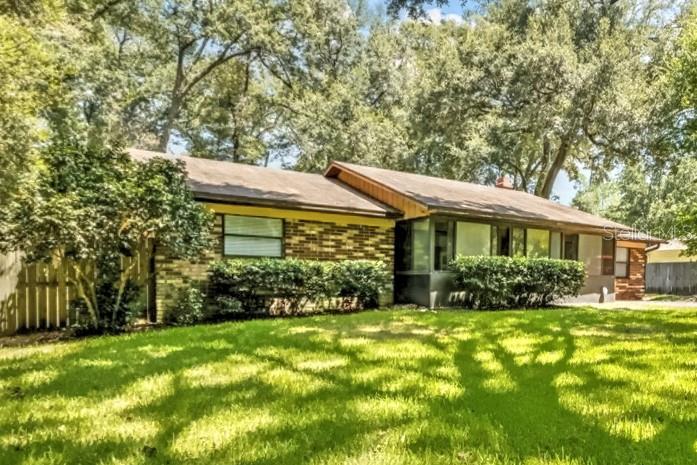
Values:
[(38, 296)]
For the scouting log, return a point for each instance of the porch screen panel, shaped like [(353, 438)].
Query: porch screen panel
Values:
[(421, 245), (473, 239), (555, 245), (537, 243), (248, 236), (517, 242)]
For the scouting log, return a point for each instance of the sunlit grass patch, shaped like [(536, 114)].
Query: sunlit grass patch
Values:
[(219, 430), (561, 387)]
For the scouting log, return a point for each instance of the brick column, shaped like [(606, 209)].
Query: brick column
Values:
[(633, 286)]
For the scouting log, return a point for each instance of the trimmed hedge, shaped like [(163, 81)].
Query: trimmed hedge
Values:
[(505, 282), (293, 286)]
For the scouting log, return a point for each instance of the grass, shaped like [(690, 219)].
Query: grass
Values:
[(668, 298), (558, 387)]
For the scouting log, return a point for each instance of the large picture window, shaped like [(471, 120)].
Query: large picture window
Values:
[(473, 239), (412, 245), (250, 236), (517, 242)]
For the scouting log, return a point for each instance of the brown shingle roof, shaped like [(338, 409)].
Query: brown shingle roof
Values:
[(234, 182), (456, 197)]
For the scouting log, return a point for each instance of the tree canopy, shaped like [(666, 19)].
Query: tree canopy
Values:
[(603, 91)]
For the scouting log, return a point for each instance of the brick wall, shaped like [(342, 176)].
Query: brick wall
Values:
[(171, 274), (306, 239), (634, 285), (338, 241)]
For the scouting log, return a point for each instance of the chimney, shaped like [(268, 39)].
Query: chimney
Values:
[(504, 182)]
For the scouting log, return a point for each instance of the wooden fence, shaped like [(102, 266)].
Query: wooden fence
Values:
[(39, 295), (672, 278)]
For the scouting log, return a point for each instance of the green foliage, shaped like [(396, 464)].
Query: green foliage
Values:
[(505, 282), (295, 286), (360, 279), (123, 310), (188, 307), (91, 205), (31, 84), (525, 89)]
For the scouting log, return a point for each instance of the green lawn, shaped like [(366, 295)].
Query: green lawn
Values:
[(557, 387)]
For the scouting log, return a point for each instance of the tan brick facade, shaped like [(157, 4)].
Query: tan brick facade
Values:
[(634, 285), (171, 275), (338, 241), (337, 238)]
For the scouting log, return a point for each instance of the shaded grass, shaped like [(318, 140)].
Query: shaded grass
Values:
[(570, 386)]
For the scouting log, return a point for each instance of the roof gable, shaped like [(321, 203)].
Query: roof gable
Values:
[(457, 197)]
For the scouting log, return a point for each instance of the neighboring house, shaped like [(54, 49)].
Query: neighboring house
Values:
[(414, 223), (669, 270)]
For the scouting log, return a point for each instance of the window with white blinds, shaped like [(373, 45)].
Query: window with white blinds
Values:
[(250, 236)]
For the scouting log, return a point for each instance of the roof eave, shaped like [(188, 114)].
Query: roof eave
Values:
[(270, 203)]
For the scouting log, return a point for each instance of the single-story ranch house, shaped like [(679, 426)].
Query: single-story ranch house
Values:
[(414, 223)]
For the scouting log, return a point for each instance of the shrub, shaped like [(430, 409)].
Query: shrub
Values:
[(188, 307), (359, 279), (254, 282), (295, 286), (505, 282)]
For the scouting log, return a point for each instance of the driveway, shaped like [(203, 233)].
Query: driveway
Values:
[(637, 304)]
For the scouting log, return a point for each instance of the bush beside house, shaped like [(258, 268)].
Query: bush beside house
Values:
[(294, 286), (505, 282)]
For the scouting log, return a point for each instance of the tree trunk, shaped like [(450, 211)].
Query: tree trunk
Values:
[(175, 104), (124, 276), (172, 114), (82, 282), (544, 189)]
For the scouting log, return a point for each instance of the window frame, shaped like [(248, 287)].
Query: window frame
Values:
[(282, 238), (626, 264), (451, 242)]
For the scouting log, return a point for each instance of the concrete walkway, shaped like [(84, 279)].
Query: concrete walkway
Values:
[(637, 305)]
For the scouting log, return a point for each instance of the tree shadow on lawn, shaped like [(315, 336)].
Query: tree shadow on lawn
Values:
[(586, 405), (405, 387)]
